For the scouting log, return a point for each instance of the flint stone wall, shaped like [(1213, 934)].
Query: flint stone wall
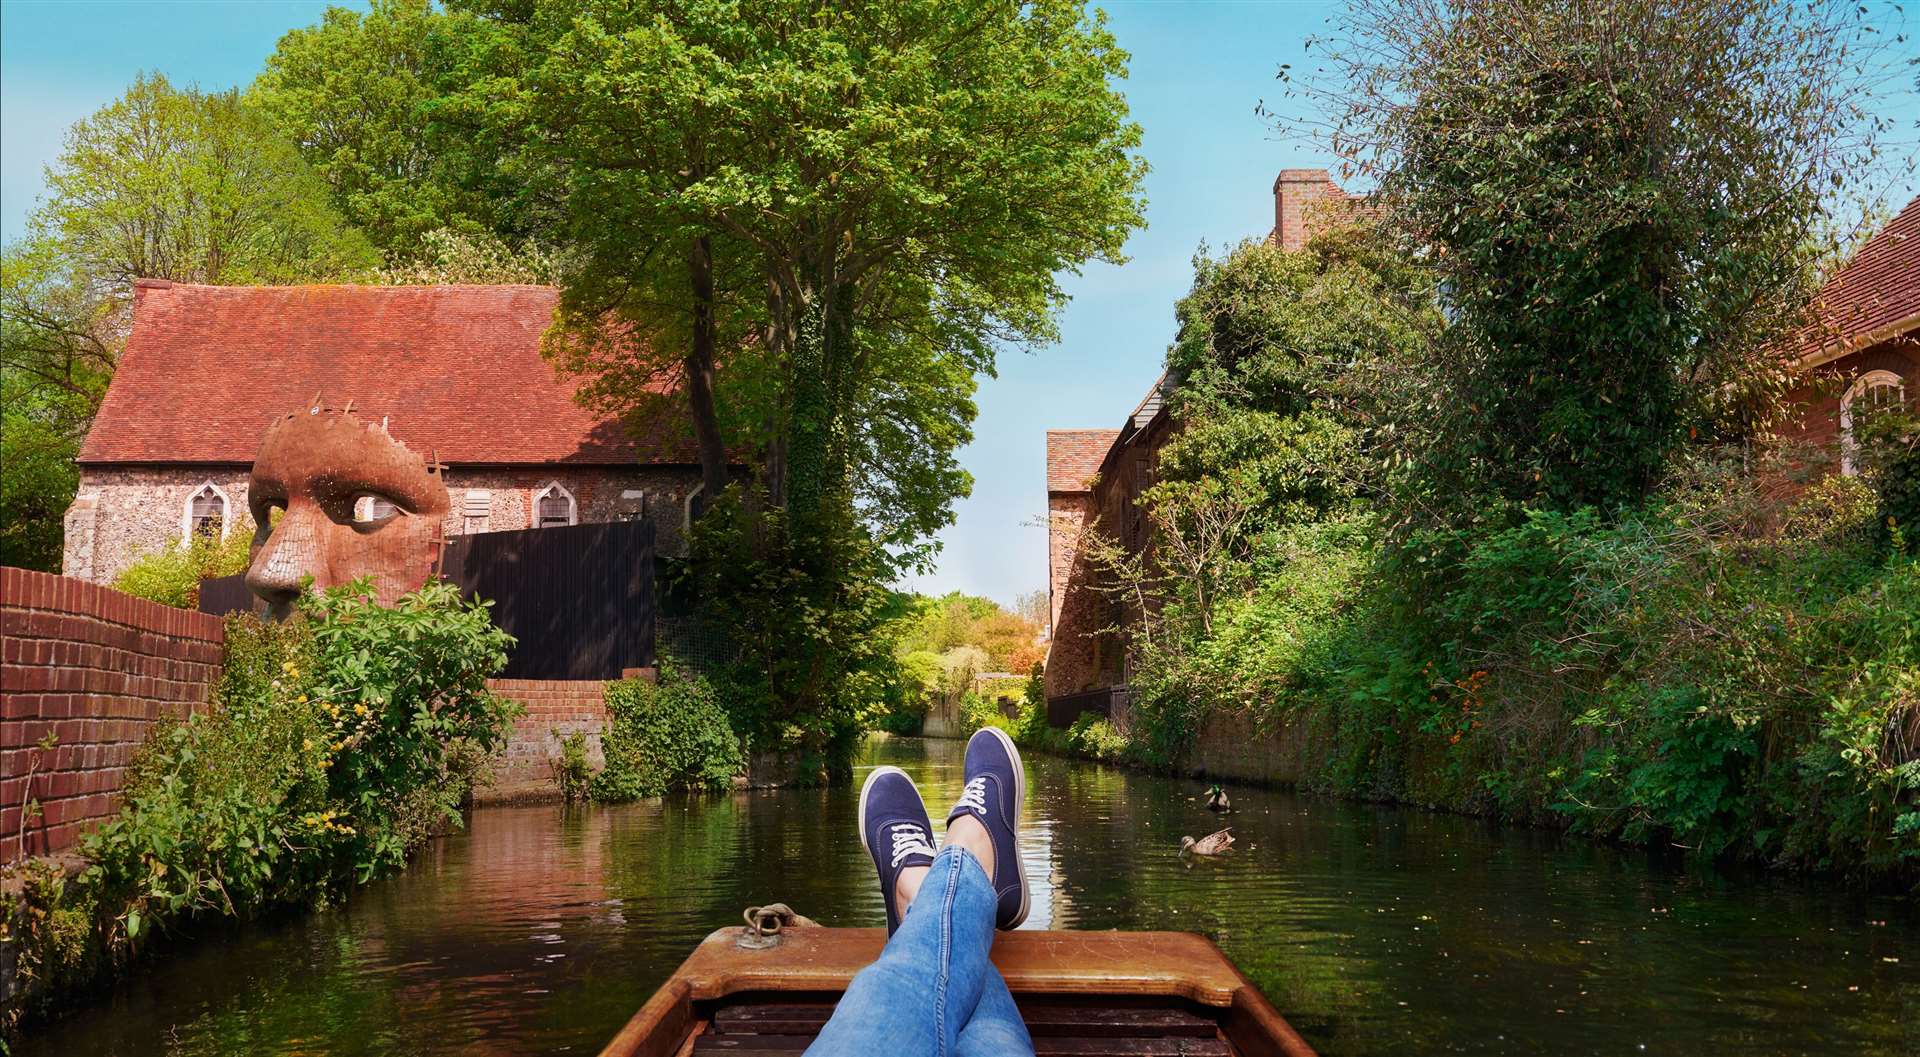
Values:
[(122, 513)]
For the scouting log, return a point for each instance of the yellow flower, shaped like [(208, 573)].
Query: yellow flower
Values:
[(303, 699), (361, 708), (306, 743)]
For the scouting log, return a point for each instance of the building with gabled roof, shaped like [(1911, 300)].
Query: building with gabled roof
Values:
[(456, 372), (1863, 348)]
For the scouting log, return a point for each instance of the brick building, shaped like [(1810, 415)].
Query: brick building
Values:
[(1094, 479), (1864, 352), (456, 370), (1096, 476)]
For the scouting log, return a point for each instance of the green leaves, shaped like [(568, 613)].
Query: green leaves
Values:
[(167, 183), (291, 786), (1625, 203), (665, 737)]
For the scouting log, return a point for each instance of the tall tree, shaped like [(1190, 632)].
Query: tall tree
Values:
[(1625, 201), (168, 183), (356, 94), (848, 171), (162, 183)]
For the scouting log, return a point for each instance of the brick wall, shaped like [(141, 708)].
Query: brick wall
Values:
[(95, 668), (554, 707)]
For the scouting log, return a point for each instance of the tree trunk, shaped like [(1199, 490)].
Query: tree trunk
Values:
[(699, 370)]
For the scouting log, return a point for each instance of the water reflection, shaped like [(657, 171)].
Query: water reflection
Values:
[(1377, 931)]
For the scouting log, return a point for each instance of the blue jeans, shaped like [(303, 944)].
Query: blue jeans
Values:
[(933, 992)]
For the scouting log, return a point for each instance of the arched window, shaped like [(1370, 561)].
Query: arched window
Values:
[(206, 512), (1870, 394), (553, 506)]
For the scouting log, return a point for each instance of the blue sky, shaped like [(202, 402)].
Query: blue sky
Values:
[(1198, 69)]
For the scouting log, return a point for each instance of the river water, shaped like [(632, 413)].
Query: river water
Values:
[(1374, 930)]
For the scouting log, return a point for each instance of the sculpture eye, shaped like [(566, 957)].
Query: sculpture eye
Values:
[(372, 508)]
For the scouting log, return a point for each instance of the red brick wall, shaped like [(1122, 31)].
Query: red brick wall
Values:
[(553, 707), (95, 668), (1816, 400)]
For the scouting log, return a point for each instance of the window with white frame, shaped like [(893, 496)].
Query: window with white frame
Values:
[(553, 506), (206, 512), (1873, 393)]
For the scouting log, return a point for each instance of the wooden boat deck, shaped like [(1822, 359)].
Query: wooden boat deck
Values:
[(1084, 994)]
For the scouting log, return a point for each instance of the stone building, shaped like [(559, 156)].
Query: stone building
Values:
[(1864, 352), (455, 370)]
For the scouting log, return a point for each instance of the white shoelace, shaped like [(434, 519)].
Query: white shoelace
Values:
[(974, 796), (909, 839)]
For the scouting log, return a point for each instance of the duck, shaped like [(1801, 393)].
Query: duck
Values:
[(1217, 799), (1211, 844)]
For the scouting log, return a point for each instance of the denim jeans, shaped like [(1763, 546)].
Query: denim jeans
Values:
[(933, 992)]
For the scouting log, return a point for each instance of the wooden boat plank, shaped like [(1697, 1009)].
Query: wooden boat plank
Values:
[(1113, 963), (1097, 970), (788, 1045), (1042, 1019)]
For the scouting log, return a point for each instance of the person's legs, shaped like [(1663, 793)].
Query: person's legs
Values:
[(996, 1028), (928, 981), (933, 991)]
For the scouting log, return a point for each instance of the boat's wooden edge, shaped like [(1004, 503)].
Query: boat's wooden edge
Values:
[(659, 1027), (1256, 1029), (1172, 964)]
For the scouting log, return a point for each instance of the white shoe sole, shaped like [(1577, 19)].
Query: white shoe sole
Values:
[(1020, 805), (868, 784)]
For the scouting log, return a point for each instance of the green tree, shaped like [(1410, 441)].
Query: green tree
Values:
[(1281, 371), (193, 186), (356, 95), (803, 216), (831, 183), (58, 341), (162, 183), (1624, 202)]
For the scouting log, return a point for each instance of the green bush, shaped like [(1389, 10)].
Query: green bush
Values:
[(978, 710), (1033, 726), (663, 737), (905, 696), (171, 575), (1094, 737), (335, 744), (571, 771)]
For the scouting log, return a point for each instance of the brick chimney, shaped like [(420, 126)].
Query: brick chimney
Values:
[(1294, 192)]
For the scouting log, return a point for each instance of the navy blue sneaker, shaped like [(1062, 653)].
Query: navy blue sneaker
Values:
[(895, 829), (996, 787)]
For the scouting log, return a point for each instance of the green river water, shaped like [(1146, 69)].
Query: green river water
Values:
[(1374, 930)]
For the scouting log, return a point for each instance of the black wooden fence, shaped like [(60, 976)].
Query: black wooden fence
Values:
[(1064, 709), (579, 599)]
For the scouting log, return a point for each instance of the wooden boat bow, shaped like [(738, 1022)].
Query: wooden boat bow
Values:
[(1107, 972)]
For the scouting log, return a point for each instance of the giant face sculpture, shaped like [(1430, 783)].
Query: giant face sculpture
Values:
[(335, 499)]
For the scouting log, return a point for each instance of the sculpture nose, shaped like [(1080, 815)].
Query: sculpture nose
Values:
[(288, 557)]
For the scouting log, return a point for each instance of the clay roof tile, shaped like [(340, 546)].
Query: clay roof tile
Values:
[(457, 369)]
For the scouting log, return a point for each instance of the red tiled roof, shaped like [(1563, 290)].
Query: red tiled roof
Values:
[(1876, 292), (1073, 455), (457, 368)]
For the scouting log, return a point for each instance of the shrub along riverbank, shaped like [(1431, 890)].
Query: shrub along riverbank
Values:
[(336, 744), (1485, 497)]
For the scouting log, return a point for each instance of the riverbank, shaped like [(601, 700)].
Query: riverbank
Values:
[(539, 930)]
